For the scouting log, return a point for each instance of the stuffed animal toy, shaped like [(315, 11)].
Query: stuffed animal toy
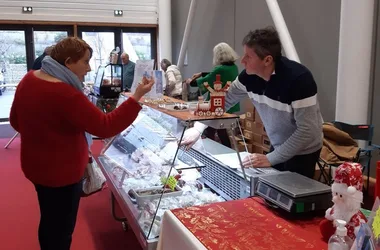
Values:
[(347, 198)]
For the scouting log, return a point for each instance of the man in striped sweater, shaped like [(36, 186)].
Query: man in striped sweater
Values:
[(285, 95)]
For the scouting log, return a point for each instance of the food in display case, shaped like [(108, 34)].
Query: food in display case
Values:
[(152, 173), (140, 159), (148, 180)]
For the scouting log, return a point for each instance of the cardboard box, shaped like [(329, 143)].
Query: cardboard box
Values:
[(257, 117), (266, 142), (263, 131), (264, 150), (249, 147), (247, 135), (254, 127), (250, 114), (248, 125), (240, 146), (237, 139), (256, 148), (259, 149), (252, 137), (242, 121)]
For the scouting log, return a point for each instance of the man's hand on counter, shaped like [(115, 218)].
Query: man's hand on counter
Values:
[(256, 160)]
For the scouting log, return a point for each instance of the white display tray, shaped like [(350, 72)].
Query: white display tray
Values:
[(141, 200)]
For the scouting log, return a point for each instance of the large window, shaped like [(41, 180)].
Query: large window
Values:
[(45, 36), (19, 46), (102, 43), (12, 56), (139, 43), (43, 39), (12, 66)]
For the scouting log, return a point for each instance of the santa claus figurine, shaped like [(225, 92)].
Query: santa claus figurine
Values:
[(347, 197)]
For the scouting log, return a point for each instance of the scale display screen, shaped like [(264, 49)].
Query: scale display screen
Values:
[(274, 195), (263, 189), (284, 200)]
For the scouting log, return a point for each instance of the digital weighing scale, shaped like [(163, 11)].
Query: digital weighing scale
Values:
[(293, 192)]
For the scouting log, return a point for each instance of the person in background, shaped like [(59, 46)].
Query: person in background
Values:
[(128, 71), (173, 79), (284, 94), (224, 58), (53, 117), (37, 62)]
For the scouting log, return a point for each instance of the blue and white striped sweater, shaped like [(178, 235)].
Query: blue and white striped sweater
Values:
[(287, 105)]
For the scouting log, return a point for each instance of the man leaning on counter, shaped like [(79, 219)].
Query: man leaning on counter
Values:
[(284, 94)]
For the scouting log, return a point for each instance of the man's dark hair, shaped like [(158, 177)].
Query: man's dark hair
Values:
[(265, 42)]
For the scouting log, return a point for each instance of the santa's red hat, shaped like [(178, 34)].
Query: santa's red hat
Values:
[(349, 180)]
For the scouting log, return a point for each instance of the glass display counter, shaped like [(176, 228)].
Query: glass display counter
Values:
[(149, 173)]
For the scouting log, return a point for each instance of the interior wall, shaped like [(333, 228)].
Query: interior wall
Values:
[(316, 39), (134, 11), (317, 43), (213, 23)]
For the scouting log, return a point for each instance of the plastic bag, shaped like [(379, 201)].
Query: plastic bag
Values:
[(93, 178)]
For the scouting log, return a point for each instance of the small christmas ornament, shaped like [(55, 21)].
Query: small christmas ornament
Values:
[(347, 198), (217, 99)]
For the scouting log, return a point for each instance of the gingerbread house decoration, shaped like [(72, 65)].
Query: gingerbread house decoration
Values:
[(217, 99)]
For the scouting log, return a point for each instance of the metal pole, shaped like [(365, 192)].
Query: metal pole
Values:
[(282, 29), (185, 39), (165, 30), (236, 147), (11, 140), (355, 41)]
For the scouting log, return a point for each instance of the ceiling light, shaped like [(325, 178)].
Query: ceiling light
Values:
[(118, 13), (27, 9)]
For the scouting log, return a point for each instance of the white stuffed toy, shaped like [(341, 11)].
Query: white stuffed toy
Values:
[(347, 197)]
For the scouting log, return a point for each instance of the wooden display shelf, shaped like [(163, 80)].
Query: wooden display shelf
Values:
[(181, 114)]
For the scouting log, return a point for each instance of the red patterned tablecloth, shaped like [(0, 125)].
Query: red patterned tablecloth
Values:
[(248, 224)]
